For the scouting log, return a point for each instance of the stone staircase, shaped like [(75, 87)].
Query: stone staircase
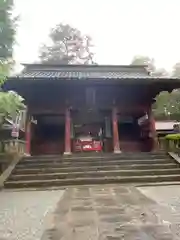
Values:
[(81, 169)]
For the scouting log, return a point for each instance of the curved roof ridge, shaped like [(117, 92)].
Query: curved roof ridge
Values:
[(82, 65)]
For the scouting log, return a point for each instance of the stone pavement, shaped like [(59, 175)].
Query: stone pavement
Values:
[(111, 213), (25, 215), (102, 212)]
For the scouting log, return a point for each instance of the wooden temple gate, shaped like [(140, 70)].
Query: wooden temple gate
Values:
[(68, 99)]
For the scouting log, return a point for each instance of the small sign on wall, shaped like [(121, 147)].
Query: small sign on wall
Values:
[(15, 131), (142, 119)]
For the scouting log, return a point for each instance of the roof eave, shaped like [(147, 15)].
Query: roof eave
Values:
[(147, 79), (81, 65)]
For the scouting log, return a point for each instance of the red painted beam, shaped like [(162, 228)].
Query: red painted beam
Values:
[(115, 131), (28, 137), (67, 132)]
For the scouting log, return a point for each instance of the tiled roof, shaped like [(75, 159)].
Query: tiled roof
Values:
[(83, 71), (79, 75)]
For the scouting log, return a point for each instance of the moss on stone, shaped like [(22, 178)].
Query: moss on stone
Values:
[(175, 136)]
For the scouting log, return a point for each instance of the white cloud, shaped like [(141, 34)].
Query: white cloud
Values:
[(120, 28)]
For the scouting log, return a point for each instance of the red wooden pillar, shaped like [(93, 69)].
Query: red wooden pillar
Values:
[(116, 144), (152, 129), (67, 149), (28, 136)]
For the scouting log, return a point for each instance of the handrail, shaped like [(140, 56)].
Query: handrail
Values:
[(5, 175), (170, 143), (14, 150), (14, 140), (14, 145)]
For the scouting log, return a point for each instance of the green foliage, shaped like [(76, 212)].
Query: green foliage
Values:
[(68, 46), (176, 70), (173, 136), (163, 106), (150, 63), (3, 72), (7, 29), (10, 102), (167, 104), (144, 60)]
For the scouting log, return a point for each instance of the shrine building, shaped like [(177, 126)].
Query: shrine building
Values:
[(107, 107)]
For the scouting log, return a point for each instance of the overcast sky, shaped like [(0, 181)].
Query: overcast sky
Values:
[(120, 28)]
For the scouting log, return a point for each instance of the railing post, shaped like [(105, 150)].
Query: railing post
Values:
[(116, 144), (67, 132), (152, 129), (28, 136)]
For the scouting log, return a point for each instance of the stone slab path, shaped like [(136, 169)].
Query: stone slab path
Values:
[(111, 213)]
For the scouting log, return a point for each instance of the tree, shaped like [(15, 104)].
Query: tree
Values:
[(7, 29), (68, 46), (176, 70), (144, 60), (160, 72), (163, 105), (150, 63), (10, 102), (167, 104)]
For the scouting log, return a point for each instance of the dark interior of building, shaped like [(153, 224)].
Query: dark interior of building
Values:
[(48, 135)]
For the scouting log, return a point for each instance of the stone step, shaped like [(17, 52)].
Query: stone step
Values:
[(93, 168), (56, 170), (94, 174), (94, 154), (92, 158), (23, 164), (87, 160), (89, 181)]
